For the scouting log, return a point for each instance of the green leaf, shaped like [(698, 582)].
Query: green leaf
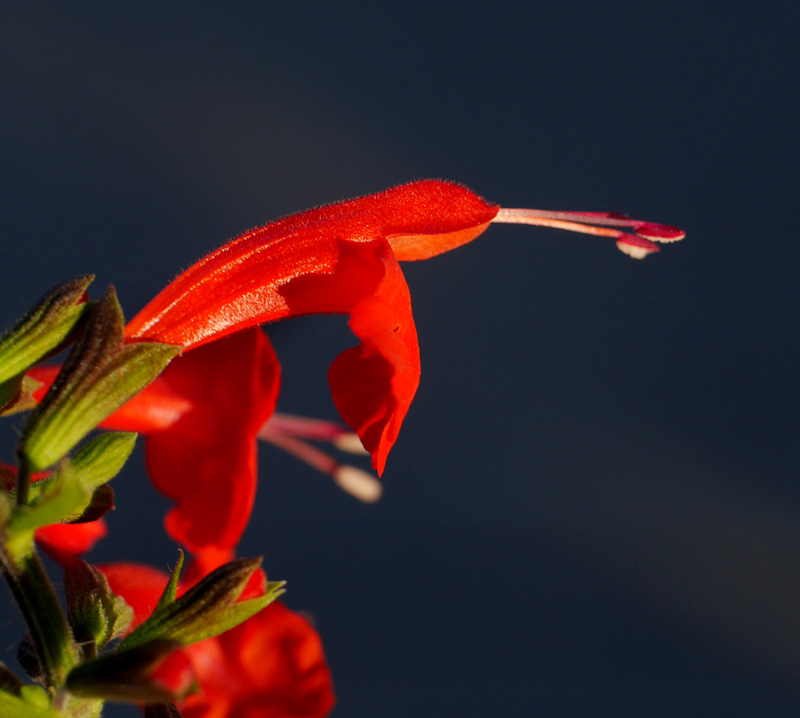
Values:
[(44, 328), (100, 375)]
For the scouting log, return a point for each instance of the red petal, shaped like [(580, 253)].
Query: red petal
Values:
[(374, 384), (272, 665), (241, 283), (206, 460), (66, 541)]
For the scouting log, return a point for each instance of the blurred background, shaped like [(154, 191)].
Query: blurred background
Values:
[(593, 507)]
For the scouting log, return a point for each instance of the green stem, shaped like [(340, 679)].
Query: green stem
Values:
[(23, 478), (42, 612)]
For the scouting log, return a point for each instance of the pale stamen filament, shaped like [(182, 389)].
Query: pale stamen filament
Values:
[(340, 436), (553, 219), (356, 482)]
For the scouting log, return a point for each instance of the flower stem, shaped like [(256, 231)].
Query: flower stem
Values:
[(43, 615), (23, 478)]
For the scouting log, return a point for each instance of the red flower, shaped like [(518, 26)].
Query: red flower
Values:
[(343, 258), (203, 413), (270, 666)]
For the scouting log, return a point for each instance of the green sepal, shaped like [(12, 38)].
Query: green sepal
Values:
[(16, 394), (44, 328), (31, 703), (28, 659), (171, 589), (101, 459), (9, 681), (100, 374), (207, 609), (100, 503), (10, 393), (124, 675), (68, 494), (95, 613)]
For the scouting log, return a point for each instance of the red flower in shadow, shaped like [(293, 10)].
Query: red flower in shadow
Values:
[(270, 666)]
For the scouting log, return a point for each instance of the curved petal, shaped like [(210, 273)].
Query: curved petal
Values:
[(240, 284), (206, 460), (67, 541), (338, 258), (374, 384)]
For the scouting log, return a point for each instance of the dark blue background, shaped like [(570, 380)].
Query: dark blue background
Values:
[(593, 507)]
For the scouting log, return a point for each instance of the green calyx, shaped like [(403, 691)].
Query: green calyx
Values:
[(205, 610), (73, 492), (208, 609), (44, 328), (100, 375), (95, 613)]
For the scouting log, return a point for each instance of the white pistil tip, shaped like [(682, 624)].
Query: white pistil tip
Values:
[(349, 443), (358, 483)]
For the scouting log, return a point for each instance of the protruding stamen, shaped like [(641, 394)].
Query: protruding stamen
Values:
[(357, 482), (586, 223), (342, 437), (350, 444), (308, 428)]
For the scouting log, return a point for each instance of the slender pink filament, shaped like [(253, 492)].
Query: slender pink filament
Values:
[(516, 215), (553, 219), (305, 427), (307, 453)]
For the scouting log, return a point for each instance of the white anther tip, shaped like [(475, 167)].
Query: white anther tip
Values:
[(349, 443), (358, 483)]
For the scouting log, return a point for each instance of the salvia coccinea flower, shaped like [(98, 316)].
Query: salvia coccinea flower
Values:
[(343, 258), (270, 666)]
